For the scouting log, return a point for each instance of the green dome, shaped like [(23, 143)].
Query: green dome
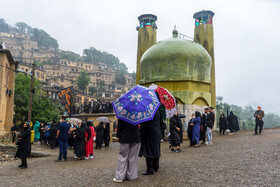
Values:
[(175, 59)]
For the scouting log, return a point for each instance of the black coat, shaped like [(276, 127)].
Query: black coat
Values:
[(80, 142), (128, 133), (53, 131), (151, 134), (233, 123), (223, 122), (175, 138), (99, 133), (24, 148), (106, 134), (210, 120)]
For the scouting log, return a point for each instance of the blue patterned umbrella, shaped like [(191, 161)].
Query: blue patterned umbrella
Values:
[(136, 106)]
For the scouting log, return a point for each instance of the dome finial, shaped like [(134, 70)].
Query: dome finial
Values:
[(175, 32)]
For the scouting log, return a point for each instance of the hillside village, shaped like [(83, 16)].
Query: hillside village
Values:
[(58, 69)]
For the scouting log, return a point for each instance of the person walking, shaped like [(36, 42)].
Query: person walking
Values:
[(62, 136), (259, 114), (210, 125), (24, 145), (47, 133), (190, 129), (37, 133), (99, 136), (151, 134), (196, 129), (204, 125), (129, 137), (174, 133), (223, 123), (80, 137), (42, 133), (233, 123), (52, 137), (90, 141), (106, 134)]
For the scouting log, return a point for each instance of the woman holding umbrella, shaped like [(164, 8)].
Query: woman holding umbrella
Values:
[(129, 137), (137, 106)]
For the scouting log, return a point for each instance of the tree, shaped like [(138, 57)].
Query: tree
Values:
[(133, 75), (120, 78), (23, 28), (43, 108), (4, 27), (92, 90), (83, 80)]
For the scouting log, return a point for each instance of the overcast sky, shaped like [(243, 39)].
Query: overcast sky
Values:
[(246, 34)]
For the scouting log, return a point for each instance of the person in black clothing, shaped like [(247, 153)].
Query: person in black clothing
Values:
[(24, 147), (233, 123), (259, 115), (204, 125), (99, 135), (174, 133), (52, 138), (106, 135), (151, 134), (14, 131), (42, 133), (223, 123), (190, 129), (80, 135)]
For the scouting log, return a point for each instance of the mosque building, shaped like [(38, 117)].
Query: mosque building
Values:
[(185, 67)]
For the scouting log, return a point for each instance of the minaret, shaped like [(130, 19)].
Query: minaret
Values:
[(203, 33), (147, 36)]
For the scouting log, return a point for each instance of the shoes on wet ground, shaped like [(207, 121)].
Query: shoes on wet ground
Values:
[(117, 180), (178, 150), (148, 173), (20, 166), (23, 167), (172, 150), (86, 158), (58, 161), (91, 157)]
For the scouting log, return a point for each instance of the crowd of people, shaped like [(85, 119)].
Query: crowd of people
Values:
[(98, 106), (143, 140), (80, 138)]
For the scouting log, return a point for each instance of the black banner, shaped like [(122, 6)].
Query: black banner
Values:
[(67, 99)]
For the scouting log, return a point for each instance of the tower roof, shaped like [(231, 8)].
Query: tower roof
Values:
[(197, 14), (147, 16)]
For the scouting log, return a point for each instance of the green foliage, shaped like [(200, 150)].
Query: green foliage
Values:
[(69, 55), (83, 80), (94, 56), (133, 75), (4, 27), (43, 108), (92, 90), (246, 115), (120, 78), (37, 63), (43, 39)]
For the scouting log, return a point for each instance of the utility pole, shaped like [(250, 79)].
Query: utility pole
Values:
[(31, 92)]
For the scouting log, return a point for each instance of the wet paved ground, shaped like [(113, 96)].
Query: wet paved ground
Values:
[(239, 160)]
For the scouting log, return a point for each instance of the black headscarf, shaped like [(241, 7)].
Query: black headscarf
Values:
[(197, 114), (87, 129)]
